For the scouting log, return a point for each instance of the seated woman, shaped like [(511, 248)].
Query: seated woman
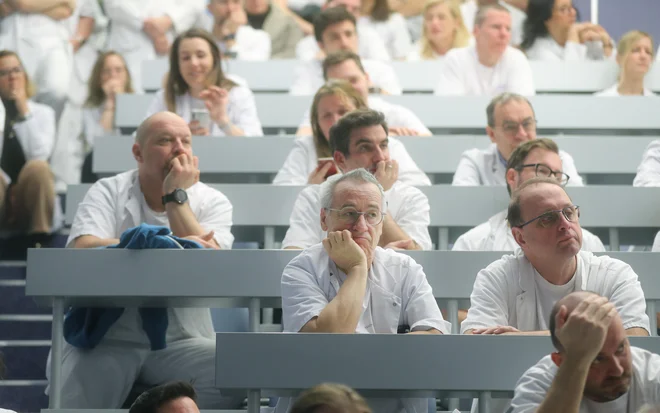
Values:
[(390, 26), (443, 30), (109, 78), (197, 90), (551, 32), (634, 55), (308, 161)]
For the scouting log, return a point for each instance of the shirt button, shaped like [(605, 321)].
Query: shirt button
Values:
[(393, 304)]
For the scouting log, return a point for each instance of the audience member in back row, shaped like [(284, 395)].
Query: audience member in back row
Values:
[(535, 158), (109, 78), (511, 121), (648, 171), (390, 26), (443, 30), (164, 190), (199, 92), (348, 284), (282, 25), (359, 140), (346, 65), (469, 11), (515, 294), (335, 29), (594, 368), (490, 66), (551, 33), (634, 56), (330, 398), (310, 160), (174, 397), (27, 191)]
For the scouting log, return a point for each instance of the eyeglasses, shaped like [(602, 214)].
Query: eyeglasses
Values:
[(349, 216), (550, 218), (565, 9), (512, 128), (14, 70), (544, 170)]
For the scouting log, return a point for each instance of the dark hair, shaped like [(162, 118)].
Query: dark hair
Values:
[(331, 16), (30, 88), (175, 85), (523, 150), (538, 12), (337, 397), (151, 400), (340, 132), (95, 93), (381, 11), (514, 213), (339, 57)]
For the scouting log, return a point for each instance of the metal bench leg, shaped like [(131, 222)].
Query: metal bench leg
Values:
[(254, 401), (255, 308), (484, 402), (57, 344)]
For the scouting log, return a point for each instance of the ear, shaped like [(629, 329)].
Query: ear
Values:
[(340, 160), (324, 215), (491, 133), (519, 237), (137, 153), (511, 178), (556, 358)]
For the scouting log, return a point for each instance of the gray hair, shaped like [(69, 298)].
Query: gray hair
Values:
[(359, 175), (482, 12), (503, 99)]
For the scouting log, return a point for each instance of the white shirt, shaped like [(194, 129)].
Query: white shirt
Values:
[(309, 77), (462, 74), (415, 54), (397, 116), (495, 235), (114, 205), (406, 205), (469, 12), (614, 91), (546, 48), (370, 45), (397, 294), (656, 243), (648, 171), (241, 109), (484, 167), (302, 160), (533, 386), (394, 32), (91, 123), (30, 26), (504, 293), (249, 43)]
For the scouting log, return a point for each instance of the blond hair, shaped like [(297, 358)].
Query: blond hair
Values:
[(461, 35), (338, 398), (30, 88)]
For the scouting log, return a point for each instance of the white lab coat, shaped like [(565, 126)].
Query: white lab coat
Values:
[(407, 205), (614, 91), (397, 294), (484, 167), (394, 32), (648, 171), (533, 386), (469, 12), (463, 75), (241, 109), (302, 160), (505, 292), (415, 54), (91, 125), (110, 207), (370, 45), (495, 235), (308, 77), (250, 44), (126, 22), (546, 48)]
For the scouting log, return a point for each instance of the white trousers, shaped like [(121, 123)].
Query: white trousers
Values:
[(102, 378)]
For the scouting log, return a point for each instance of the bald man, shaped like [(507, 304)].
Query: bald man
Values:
[(164, 190), (594, 368)]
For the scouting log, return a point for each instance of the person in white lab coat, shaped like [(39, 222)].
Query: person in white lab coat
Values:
[(144, 29), (469, 12), (390, 26), (444, 29), (164, 190), (552, 33), (594, 368), (648, 171), (27, 191), (346, 65), (490, 66), (511, 121), (348, 284), (634, 57), (538, 157), (305, 164), (359, 140), (197, 90), (235, 37), (335, 29)]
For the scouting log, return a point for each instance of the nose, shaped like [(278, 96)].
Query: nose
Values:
[(616, 368), (564, 224), (178, 147), (379, 155), (361, 224)]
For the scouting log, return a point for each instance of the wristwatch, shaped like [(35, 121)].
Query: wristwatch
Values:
[(178, 195)]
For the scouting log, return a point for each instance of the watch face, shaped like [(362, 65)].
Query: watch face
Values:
[(180, 196)]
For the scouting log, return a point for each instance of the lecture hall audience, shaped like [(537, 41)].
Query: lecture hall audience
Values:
[(443, 30), (469, 10), (390, 26)]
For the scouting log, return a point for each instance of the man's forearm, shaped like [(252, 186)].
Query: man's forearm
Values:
[(343, 313), (391, 232), (40, 6), (90, 241), (565, 393), (429, 331), (637, 331), (183, 221)]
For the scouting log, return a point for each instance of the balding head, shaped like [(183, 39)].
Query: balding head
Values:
[(570, 301), (155, 122)]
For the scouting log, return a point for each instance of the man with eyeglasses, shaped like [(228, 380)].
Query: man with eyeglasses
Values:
[(359, 140), (511, 121), (348, 284), (535, 158)]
